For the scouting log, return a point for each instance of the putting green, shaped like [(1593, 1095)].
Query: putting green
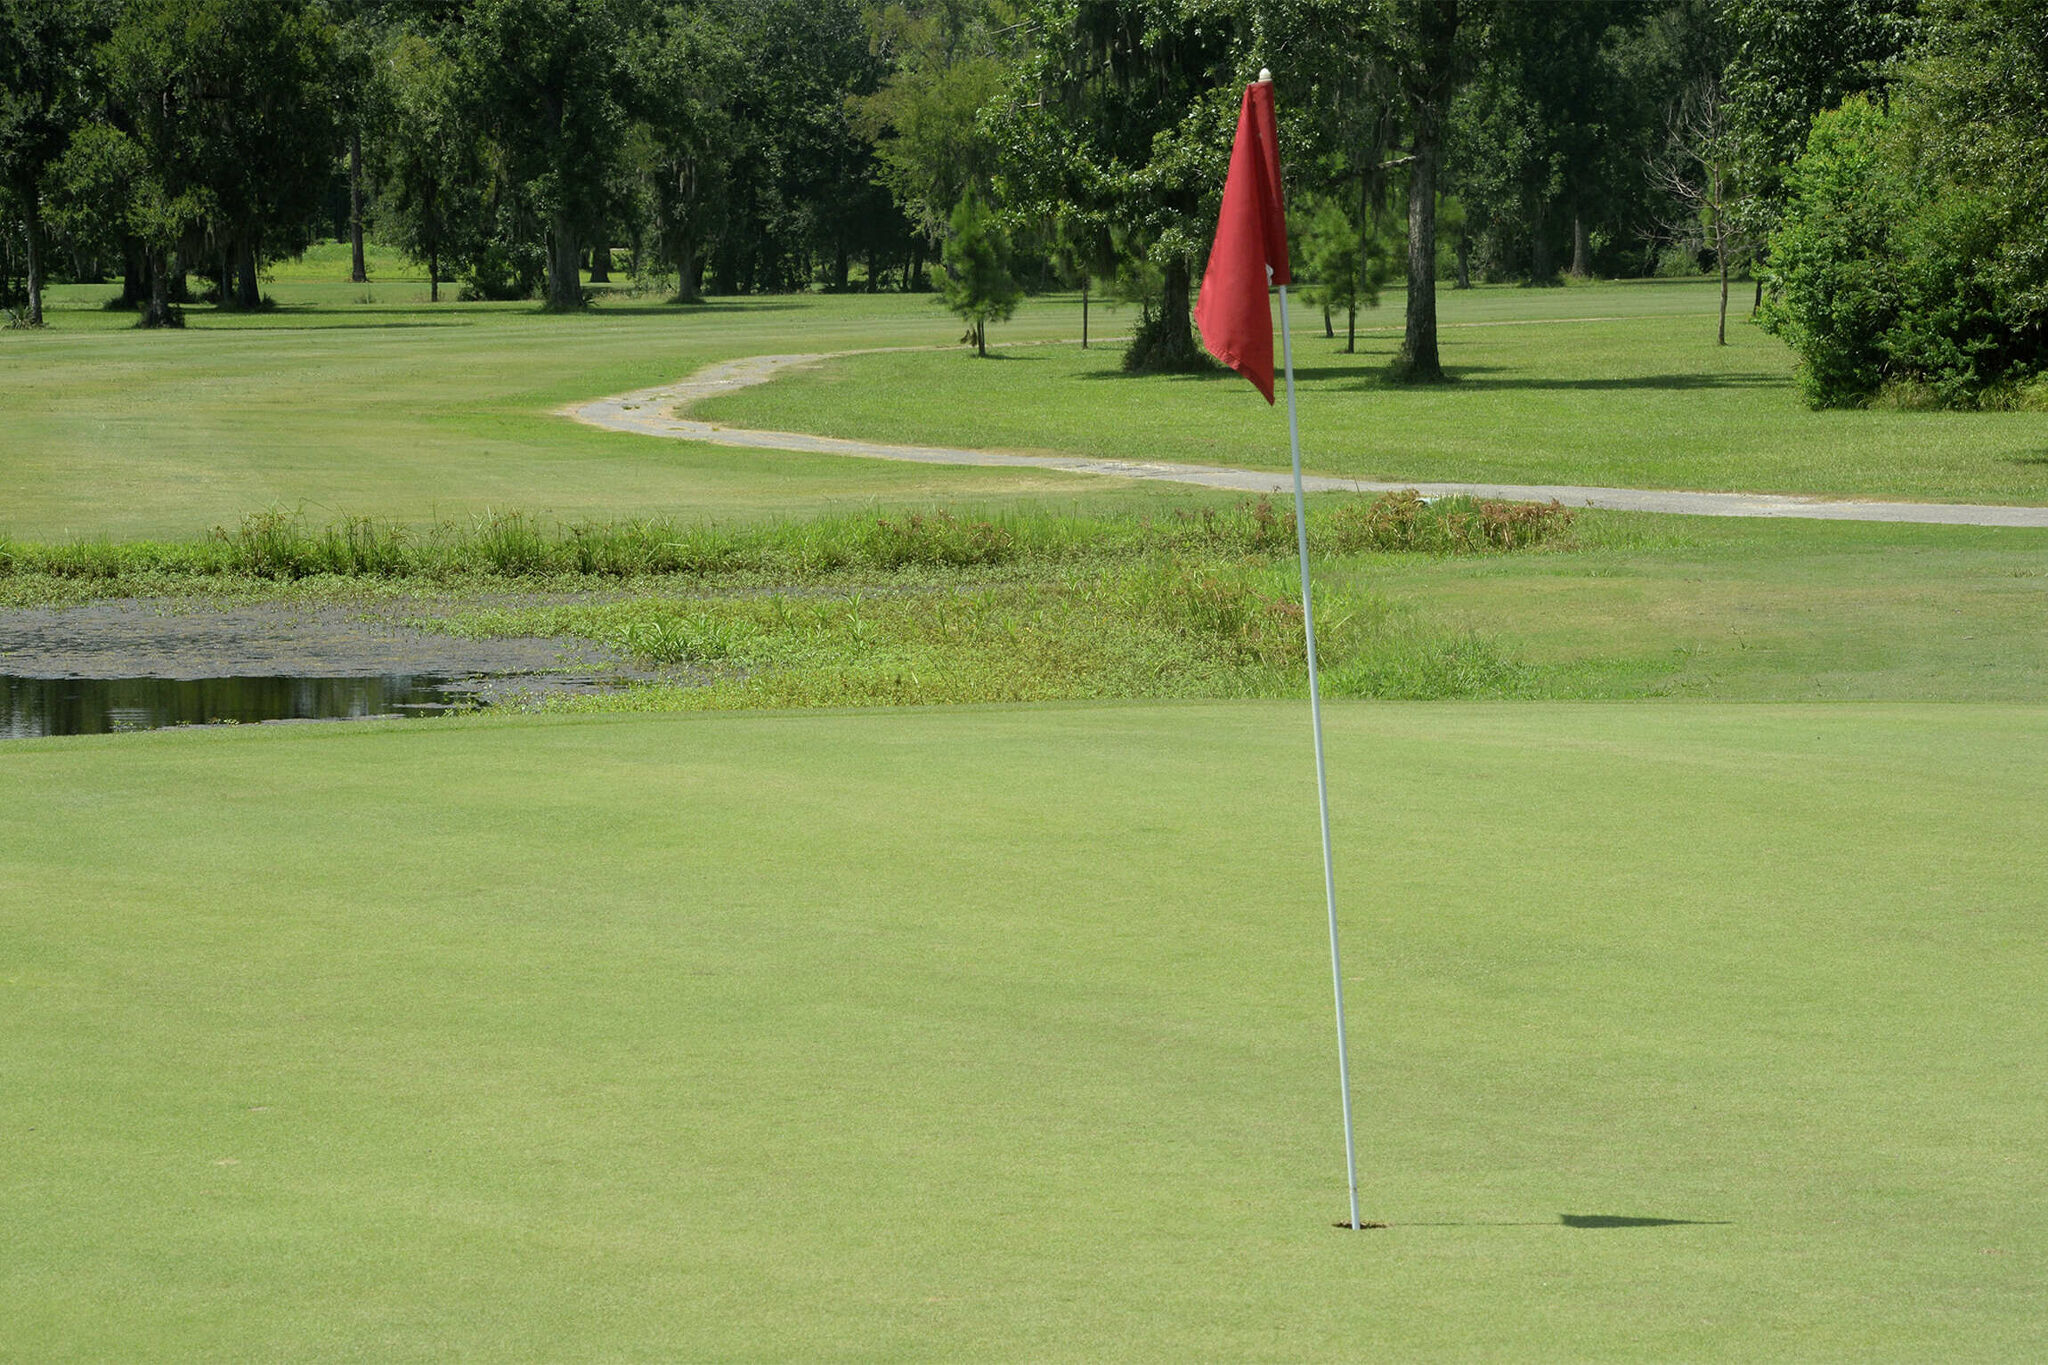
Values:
[(1004, 1032)]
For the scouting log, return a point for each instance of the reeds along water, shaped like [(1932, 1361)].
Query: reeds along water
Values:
[(283, 546)]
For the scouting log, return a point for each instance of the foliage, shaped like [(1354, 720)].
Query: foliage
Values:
[(948, 61), (1791, 60), (44, 96), (430, 154), (1911, 252), (548, 82), (1120, 117), (979, 286), (679, 145), (1343, 263)]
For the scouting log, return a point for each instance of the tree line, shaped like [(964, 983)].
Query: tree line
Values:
[(513, 147)]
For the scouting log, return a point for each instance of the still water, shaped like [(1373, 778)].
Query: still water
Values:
[(32, 707)]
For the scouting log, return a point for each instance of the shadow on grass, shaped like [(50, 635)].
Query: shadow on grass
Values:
[(1576, 1220), (1478, 377)]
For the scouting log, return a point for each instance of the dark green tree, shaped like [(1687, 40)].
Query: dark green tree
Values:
[(683, 69), (1120, 117), (979, 286), (1910, 263), (1343, 263), (431, 161), (547, 78), (1420, 42), (45, 84)]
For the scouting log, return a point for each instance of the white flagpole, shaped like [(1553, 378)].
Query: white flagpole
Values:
[(1315, 711)]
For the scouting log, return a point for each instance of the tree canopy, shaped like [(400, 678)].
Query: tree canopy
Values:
[(735, 146)]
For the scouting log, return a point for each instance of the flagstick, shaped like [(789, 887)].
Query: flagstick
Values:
[(1315, 710)]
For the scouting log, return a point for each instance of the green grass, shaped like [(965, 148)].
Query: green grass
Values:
[(1612, 385), (1651, 606), (1004, 1033), (352, 400), (1197, 602), (401, 410)]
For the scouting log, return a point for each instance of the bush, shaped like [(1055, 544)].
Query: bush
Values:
[(1835, 287), (1911, 268)]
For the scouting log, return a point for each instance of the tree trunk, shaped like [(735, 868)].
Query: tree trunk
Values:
[(358, 273), (1173, 342), (433, 274), (156, 311), (980, 337), (1541, 270), (1721, 258), (601, 263), (134, 273), (1351, 327), (565, 286), (32, 231), (1428, 89), (1418, 359), (1582, 256), (1329, 328), (1084, 315), (1756, 305), (1464, 259), (247, 293)]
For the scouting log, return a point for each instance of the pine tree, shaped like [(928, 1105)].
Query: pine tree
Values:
[(979, 286)]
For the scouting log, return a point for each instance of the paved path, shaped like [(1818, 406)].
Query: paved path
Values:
[(654, 412)]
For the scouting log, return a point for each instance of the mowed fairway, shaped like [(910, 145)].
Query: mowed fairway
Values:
[(1004, 1033), (1612, 385), (416, 412)]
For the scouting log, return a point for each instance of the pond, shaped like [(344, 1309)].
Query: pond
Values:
[(34, 707)]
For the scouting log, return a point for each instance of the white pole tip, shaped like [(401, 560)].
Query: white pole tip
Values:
[(1265, 76)]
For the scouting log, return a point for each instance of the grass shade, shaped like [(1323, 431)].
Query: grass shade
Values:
[(1004, 1032)]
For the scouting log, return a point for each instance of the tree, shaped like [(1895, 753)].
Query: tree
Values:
[(924, 117), (979, 286), (1910, 263), (1792, 60), (680, 149), (1421, 39), (44, 79), (228, 101), (430, 156), (547, 78), (1121, 117), (1699, 172), (1344, 262)]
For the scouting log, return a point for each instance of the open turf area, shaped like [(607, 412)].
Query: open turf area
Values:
[(1694, 932), (1616, 385), (1001, 1032), (365, 400), (396, 408)]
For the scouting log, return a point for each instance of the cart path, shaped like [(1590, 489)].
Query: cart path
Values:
[(657, 412)]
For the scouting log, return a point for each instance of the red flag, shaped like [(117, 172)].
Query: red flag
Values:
[(1251, 235)]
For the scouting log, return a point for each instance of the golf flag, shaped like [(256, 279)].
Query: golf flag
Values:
[(1251, 237), (1249, 256)]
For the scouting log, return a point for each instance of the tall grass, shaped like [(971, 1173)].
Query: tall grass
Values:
[(282, 546)]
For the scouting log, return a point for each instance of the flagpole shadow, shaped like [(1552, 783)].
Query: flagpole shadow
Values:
[(1569, 1220)]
